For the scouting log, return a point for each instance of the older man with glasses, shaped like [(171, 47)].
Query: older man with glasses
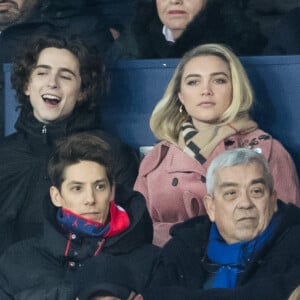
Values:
[(246, 248)]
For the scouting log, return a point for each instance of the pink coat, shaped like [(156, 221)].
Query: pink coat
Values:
[(173, 183)]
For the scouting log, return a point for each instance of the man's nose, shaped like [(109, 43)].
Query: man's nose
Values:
[(89, 197), (245, 200), (52, 81)]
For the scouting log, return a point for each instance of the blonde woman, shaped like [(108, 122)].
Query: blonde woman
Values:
[(295, 295), (203, 112)]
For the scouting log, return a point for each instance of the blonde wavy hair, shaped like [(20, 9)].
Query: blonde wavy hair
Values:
[(166, 120)]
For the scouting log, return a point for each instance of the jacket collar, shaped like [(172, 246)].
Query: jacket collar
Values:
[(140, 231), (173, 159), (195, 232), (38, 133)]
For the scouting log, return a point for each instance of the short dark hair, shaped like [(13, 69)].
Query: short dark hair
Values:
[(79, 147), (91, 67)]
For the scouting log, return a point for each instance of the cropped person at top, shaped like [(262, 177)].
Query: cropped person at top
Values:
[(169, 28), (268, 12), (20, 19), (285, 40), (59, 83), (204, 111)]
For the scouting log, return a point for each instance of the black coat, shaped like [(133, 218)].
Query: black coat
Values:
[(65, 18), (220, 22), (23, 170), (38, 267), (115, 13), (272, 274), (285, 39)]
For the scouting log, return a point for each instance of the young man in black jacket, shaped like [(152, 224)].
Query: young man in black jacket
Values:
[(88, 218), (59, 83)]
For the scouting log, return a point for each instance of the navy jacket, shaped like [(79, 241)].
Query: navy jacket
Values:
[(40, 269)]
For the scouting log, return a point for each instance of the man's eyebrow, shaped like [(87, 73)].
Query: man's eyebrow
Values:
[(258, 180), (43, 66), (75, 182), (100, 181), (80, 182), (61, 69), (234, 184), (228, 184)]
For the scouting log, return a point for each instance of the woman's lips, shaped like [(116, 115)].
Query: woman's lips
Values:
[(206, 104), (176, 12)]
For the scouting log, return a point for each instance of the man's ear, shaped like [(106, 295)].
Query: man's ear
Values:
[(55, 196), (209, 204), (26, 91), (274, 200), (82, 96), (113, 191)]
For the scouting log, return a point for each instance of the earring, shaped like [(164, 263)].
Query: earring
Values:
[(181, 108)]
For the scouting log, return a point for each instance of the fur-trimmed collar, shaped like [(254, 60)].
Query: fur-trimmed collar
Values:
[(221, 22)]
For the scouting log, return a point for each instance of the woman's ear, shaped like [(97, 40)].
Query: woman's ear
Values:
[(180, 98), (55, 196)]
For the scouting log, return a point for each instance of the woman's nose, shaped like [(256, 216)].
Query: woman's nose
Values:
[(206, 89), (176, 1)]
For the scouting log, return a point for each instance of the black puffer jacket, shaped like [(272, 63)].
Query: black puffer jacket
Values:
[(39, 269), (23, 170), (272, 274), (220, 22)]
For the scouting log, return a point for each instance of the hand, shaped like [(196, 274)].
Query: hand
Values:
[(134, 296), (114, 32)]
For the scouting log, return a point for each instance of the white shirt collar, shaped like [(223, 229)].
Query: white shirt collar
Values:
[(168, 34)]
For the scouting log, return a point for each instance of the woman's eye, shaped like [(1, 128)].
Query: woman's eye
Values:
[(193, 82), (220, 80)]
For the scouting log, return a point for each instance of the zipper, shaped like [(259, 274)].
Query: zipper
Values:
[(44, 134)]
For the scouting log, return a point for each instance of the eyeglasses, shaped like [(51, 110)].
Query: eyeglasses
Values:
[(212, 267)]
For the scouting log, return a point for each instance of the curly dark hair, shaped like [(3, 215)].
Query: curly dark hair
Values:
[(92, 69)]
